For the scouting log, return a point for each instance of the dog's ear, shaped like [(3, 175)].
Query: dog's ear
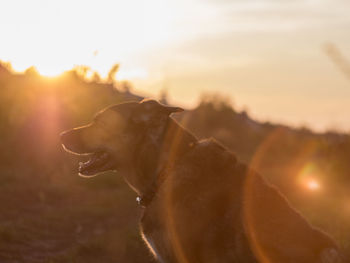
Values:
[(153, 105), (152, 110), (173, 109)]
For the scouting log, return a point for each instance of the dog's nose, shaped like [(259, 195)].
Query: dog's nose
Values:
[(72, 141)]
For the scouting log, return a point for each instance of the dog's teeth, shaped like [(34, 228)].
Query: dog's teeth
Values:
[(94, 159), (84, 164)]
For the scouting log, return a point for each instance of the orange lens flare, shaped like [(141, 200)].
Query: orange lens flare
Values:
[(308, 177), (313, 185)]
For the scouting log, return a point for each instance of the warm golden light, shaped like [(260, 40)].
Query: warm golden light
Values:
[(308, 177), (53, 40), (313, 185), (193, 47)]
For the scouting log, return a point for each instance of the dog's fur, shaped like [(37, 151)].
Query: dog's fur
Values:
[(199, 203)]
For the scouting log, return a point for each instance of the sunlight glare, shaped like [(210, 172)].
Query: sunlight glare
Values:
[(118, 31), (50, 71), (137, 73), (313, 185), (308, 177)]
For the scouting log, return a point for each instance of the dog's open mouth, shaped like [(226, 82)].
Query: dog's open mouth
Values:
[(98, 162)]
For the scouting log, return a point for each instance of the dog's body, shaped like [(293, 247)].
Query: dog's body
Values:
[(200, 204)]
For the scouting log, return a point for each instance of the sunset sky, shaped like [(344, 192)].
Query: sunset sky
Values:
[(268, 55)]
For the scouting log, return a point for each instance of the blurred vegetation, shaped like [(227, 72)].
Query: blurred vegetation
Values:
[(49, 214)]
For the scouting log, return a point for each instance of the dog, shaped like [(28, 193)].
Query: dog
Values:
[(200, 204)]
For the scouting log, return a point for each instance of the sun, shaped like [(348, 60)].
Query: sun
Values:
[(52, 39)]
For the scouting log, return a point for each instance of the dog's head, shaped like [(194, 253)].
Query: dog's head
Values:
[(111, 140)]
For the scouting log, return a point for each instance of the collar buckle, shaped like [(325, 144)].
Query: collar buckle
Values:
[(138, 200), (145, 200), (142, 201)]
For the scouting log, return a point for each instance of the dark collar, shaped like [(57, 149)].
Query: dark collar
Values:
[(145, 199)]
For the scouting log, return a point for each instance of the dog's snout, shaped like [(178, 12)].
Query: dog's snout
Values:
[(64, 137), (67, 140), (62, 134), (71, 141), (75, 141)]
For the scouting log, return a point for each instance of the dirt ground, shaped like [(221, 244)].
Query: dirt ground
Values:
[(49, 221)]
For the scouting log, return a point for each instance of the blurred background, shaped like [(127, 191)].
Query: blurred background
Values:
[(270, 79)]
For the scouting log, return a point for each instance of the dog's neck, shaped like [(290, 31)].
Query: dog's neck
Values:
[(173, 143)]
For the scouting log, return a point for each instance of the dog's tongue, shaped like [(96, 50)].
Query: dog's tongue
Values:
[(97, 160)]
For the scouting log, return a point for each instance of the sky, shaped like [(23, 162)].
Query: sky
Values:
[(267, 56)]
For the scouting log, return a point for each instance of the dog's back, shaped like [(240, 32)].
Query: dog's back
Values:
[(211, 208)]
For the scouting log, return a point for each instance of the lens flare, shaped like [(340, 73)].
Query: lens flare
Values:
[(313, 185), (308, 177)]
